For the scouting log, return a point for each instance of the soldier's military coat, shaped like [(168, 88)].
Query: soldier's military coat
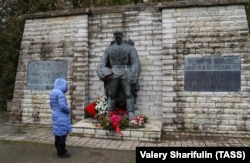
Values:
[(120, 62)]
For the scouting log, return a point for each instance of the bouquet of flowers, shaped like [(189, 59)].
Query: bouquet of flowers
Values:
[(97, 108), (112, 120), (101, 105), (116, 120), (138, 121), (90, 110)]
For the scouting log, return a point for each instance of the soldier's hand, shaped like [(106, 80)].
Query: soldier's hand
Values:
[(106, 78)]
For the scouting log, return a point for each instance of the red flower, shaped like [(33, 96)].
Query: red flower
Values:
[(90, 109)]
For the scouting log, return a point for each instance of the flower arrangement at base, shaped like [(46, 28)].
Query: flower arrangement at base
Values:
[(138, 121), (96, 108), (116, 120), (90, 110), (101, 105)]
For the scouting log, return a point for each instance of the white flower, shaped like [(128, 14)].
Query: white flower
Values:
[(101, 105)]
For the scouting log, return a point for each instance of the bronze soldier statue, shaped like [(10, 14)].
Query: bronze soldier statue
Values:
[(119, 68)]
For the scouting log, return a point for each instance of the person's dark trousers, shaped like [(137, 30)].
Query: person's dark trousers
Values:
[(60, 144)]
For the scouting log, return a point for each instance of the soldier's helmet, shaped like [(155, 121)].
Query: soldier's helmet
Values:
[(118, 32)]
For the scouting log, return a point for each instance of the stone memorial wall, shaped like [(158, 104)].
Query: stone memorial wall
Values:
[(194, 62)]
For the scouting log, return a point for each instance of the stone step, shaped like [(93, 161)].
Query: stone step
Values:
[(151, 131)]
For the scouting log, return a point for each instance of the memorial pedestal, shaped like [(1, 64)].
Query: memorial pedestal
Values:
[(151, 132)]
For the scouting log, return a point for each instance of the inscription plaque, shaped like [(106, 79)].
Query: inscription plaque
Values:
[(41, 75), (212, 74)]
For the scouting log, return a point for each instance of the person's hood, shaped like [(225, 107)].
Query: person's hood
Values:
[(61, 84)]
